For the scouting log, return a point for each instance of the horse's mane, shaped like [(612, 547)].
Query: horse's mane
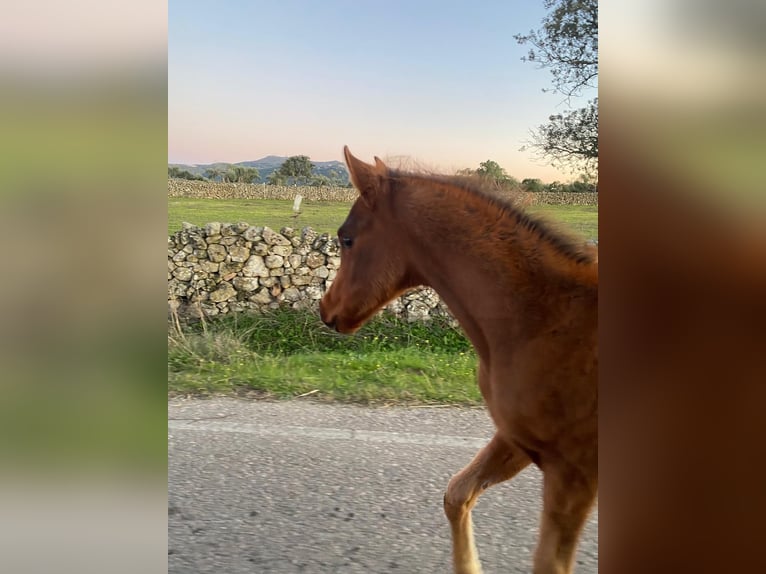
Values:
[(564, 243)]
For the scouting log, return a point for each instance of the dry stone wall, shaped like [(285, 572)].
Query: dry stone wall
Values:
[(213, 190), (228, 268)]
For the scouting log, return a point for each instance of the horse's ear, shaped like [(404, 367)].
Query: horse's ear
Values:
[(368, 179)]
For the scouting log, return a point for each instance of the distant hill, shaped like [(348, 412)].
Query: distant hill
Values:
[(267, 165)]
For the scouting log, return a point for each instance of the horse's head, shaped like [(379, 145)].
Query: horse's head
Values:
[(374, 263)]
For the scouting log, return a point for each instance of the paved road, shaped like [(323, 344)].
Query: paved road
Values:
[(296, 486)]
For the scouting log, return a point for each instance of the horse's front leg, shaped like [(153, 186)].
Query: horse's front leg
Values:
[(496, 462)]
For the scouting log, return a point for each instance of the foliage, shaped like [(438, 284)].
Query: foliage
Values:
[(532, 185), (567, 45), (240, 174), (276, 178), (287, 353), (182, 174), (215, 173), (570, 139), (492, 171), (296, 169)]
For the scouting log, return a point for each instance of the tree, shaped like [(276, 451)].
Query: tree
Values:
[(567, 45), (491, 170), (214, 173), (241, 174), (297, 169), (532, 185), (570, 139), (177, 172), (276, 178), (337, 178)]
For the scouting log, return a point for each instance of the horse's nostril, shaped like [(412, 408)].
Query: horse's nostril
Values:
[(329, 321)]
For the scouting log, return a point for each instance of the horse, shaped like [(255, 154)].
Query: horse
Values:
[(526, 296)]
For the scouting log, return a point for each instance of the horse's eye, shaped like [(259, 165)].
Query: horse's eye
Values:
[(346, 241)]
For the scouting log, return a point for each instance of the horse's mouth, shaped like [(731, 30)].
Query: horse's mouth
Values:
[(338, 323), (340, 326)]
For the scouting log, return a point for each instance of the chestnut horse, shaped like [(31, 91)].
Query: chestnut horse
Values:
[(526, 296)]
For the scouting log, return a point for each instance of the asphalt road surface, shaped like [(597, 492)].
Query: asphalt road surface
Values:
[(299, 486)]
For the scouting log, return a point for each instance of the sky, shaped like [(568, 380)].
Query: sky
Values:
[(439, 84)]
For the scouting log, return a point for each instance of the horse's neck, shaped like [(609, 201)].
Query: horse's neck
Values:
[(492, 296)]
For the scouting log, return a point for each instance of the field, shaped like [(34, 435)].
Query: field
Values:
[(291, 354), (326, 217)]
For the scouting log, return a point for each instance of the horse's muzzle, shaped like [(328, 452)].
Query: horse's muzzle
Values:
[(327, 319)]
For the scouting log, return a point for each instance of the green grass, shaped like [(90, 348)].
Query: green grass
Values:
[(581, 219), (326, 217), (288, 353)]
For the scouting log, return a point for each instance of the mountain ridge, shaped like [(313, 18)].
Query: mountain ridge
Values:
[(265, 166)]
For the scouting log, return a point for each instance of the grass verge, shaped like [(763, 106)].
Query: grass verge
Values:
[(327, 216), (288, 354)]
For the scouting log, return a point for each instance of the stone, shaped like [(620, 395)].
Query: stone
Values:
[(253, 233), (321, 271), (396, 306), (271, 237), (294, 260), (212, 228), (246, 284), (183, 274), (308, 235), (274, 261), (268, 281), (330, 248), (240, 227), (209, 266), (214, 239), (281, 250), (227, 229), (230, 267), (288, 232), (417, 311), (315, 259), (260, 249), (315, 293), (301, 280), (255, 267), (180, 256), (285, 281), (292, 294), (333, 262), (239, 253), (216, 253), (225, 291)]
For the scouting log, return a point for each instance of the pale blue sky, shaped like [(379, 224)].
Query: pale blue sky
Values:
[(440, 82)]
